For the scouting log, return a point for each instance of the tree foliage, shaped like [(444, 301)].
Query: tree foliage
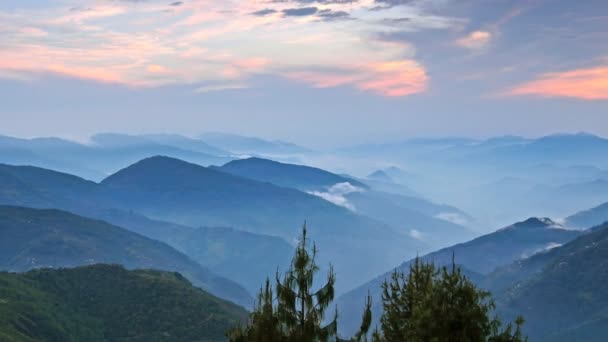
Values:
[(297, 312), (431, 304), (428, 304)]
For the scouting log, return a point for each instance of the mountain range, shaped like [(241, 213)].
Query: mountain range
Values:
[(588, 218), (43, 238), (477, 257), (299, 177), (172, 190), (435, 224), (105, 154), (167, 189), (251, 145)]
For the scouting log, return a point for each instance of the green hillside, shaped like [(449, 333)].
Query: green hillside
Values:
[(109, 303), (562, 293)]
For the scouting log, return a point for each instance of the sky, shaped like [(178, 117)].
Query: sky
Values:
[(319, 73)]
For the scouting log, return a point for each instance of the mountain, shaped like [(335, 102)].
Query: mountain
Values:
[(106, 153), (109, 303), (558, 149), (245, 257), (36, 152), (588, 218), (173, 140), (438, 225), (172, 190), (562, 294), (300, 177), (250, 145), (478, 257), (35, 238), (380, 176), (33, 186)]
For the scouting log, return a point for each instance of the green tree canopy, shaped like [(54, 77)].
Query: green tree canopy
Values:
[(439, 305), (297, 312)]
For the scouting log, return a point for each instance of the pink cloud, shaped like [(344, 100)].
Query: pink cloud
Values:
[(584, 84), (157, 69), (475, 40), (254, 64), (202, 41), (392, 79), (82, 72)]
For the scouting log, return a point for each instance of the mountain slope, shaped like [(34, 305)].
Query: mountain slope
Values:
[(104, 156), (242, 144), (300, 177), (478, 256), (588, 218), (437, 225), (173, 140), (410, 215), (33, 238), (242, 256), (563, 296), (109, 303), (172, 190), (33, 186)]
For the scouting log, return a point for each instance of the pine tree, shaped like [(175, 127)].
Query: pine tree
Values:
[(431, 304), (299, 311)]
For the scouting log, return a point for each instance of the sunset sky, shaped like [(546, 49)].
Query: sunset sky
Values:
[(321, 73)]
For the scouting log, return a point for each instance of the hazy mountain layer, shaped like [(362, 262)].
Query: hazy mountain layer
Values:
[(35, 238)]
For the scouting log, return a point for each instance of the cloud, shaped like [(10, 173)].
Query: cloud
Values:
[(324, 2), (336, 194), (391, 3), (549, 246), (416, 234), (455, 218), (157, 69), (328, 14), (392, 78), (476, 40), (220, 87), (203, 41), (583, 84), (99, 74), (177, 3), (264, 12), (300, 12)]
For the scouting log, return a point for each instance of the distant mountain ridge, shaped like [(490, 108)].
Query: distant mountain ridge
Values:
[(588, 218), (437, 225), (300, 177), (107, 154), (174, 140), (243, 144)]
